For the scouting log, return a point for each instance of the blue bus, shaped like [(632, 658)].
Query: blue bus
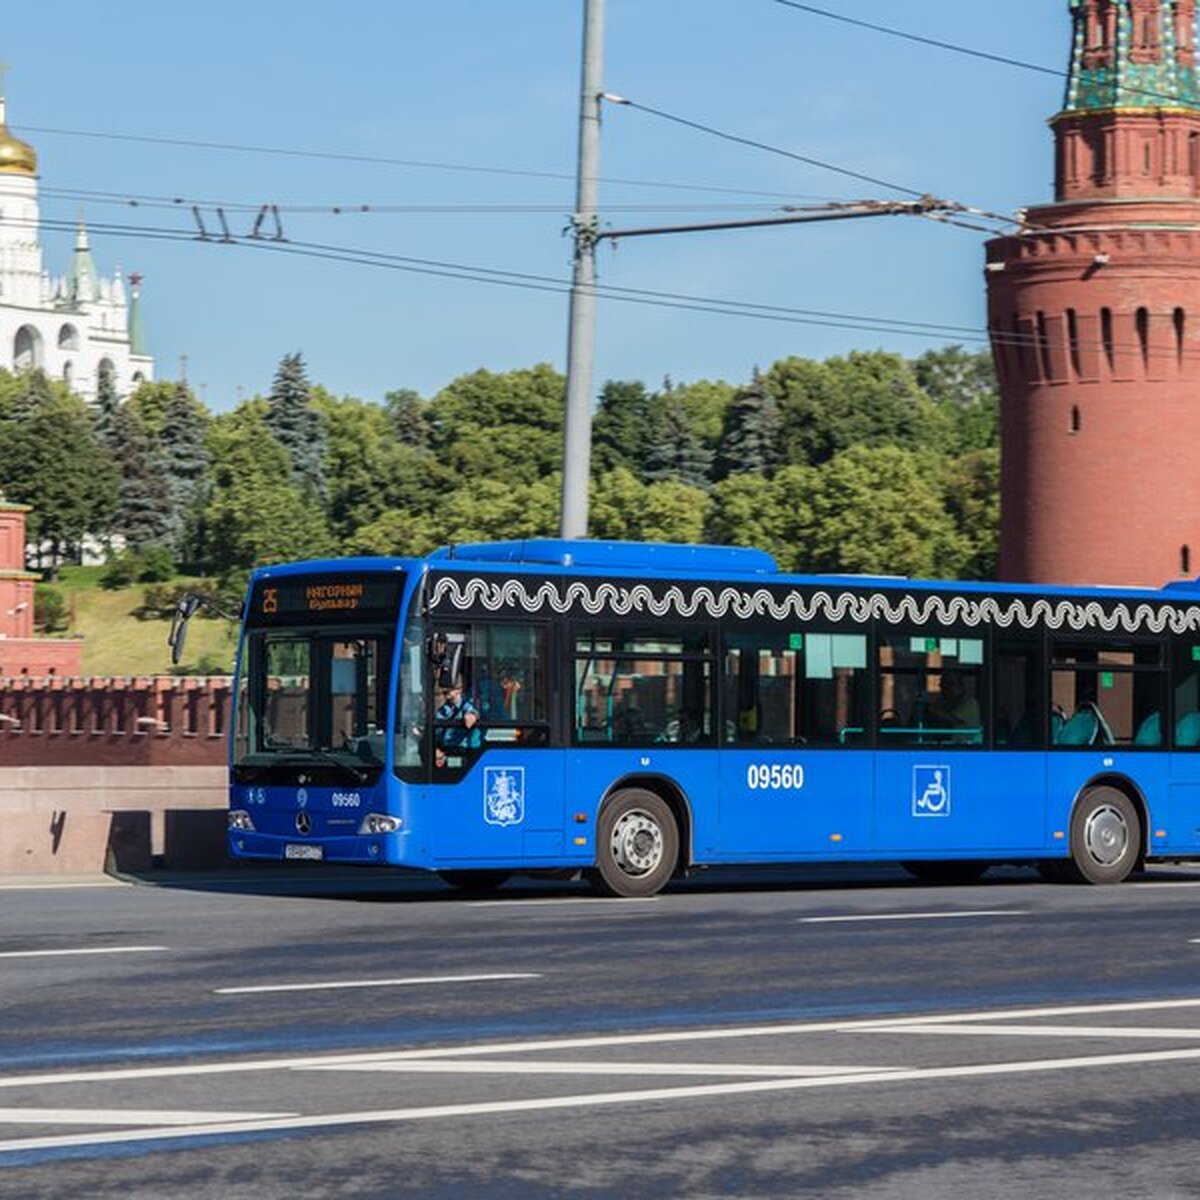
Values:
[(637, 711)]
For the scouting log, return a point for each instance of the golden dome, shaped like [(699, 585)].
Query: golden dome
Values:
[(16, 157)]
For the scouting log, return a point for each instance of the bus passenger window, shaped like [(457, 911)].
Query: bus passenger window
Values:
[(635, 690), (1108, 693), (792, 689), (1186, 684), (931, 691)]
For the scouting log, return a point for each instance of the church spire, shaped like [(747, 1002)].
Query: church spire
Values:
[(1133, 54)]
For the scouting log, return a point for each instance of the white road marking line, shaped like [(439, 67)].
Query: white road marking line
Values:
[(83, 950), (336, 985), (952, 1029), (608, 1067), (1165, 883), (62, 887), (597, 1100), (116, 1116), (675, 1037), (916, 916), (600, 905)]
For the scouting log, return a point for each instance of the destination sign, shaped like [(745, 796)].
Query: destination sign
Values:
[(319, 600)]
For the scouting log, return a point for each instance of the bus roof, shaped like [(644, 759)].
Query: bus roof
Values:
[(613, 556), (668, 559)]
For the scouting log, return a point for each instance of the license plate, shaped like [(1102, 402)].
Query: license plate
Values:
[(316, 853)]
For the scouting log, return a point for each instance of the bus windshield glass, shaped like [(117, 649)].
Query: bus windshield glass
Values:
[(314, 674)]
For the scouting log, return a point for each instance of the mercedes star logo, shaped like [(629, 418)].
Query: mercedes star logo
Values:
[(303, 822)]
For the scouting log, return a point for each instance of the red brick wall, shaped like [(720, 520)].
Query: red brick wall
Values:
[(161, 721), (1094, 314)]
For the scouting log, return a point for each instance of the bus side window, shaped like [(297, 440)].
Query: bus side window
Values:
[(792, 688), (1020, 723), (1110, 692), (1186, 686), (640, 690)]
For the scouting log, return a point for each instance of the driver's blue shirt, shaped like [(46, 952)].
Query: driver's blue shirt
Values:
[(452, 732)]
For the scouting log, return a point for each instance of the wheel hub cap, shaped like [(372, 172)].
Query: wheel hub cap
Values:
[(637, 843), (1106, 836)]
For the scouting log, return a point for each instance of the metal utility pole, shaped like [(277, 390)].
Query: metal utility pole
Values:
[(581, 337)]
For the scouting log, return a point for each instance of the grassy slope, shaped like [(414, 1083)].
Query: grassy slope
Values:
[(115, 642)]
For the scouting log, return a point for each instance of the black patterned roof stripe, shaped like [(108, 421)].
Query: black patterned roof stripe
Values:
[(623, 598)]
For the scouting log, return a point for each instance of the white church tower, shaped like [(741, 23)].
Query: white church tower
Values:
[(75, 327)]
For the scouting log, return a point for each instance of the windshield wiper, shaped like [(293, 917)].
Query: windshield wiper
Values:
[(355, 772), (297, 756)]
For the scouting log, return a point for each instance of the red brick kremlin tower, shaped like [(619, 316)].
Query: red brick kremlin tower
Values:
[(1094, 315)]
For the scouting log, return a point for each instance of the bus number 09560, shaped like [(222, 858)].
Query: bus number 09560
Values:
[(774, 777)]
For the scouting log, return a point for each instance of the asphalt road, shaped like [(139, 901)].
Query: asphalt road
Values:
[(827, 1033)]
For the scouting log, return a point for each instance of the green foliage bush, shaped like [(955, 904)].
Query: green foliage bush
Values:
[(50, 610)]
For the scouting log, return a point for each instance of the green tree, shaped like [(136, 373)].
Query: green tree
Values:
[(51, 459), (677, 452), (256, 511), (107, 403), (509, 426), (750, 440), (864, 399), (143, 514), (964, 386), (622, 508), (185, 458), (705, 401), (973, 500), (295, 423), (627, 422), (368, 471), (745, 511), (870, 509), (149, 402), (409, 418)]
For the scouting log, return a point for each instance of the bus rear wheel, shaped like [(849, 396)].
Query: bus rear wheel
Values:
[(637, 844), (475, 881), (1106, 836)]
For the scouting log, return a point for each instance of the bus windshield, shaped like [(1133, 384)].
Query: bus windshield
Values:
[(313, 680)]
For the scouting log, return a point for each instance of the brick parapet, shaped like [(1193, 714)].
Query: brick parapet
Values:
[(147, 721)]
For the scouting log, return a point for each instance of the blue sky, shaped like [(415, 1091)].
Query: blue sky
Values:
[(488, 86)]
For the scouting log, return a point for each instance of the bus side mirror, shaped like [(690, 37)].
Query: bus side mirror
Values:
[(188, 603)]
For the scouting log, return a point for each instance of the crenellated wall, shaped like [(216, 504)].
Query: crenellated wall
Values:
[(118, 773)]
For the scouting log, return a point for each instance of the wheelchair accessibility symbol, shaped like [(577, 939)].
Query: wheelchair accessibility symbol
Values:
[(931, 792)]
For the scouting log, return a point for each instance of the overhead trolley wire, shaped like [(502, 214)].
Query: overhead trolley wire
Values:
[(1034, 342), (954, 48), (765, 146), (533, 282)]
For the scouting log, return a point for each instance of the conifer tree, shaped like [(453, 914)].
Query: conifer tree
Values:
[(409, 421), (185, 460), (144, 511), (107, 403), (677, 452), (296, 424), (628, 422), (750, 440)]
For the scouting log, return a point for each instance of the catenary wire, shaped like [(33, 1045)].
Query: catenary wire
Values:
[(380, 160), (955, 48), (724, 135), (1035, 342)]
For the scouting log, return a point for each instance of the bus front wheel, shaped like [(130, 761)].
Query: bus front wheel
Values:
[(1105, 836), (637, 844)]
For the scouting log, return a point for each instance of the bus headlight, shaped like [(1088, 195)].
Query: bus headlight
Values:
[(379, 823), (239, 818)]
